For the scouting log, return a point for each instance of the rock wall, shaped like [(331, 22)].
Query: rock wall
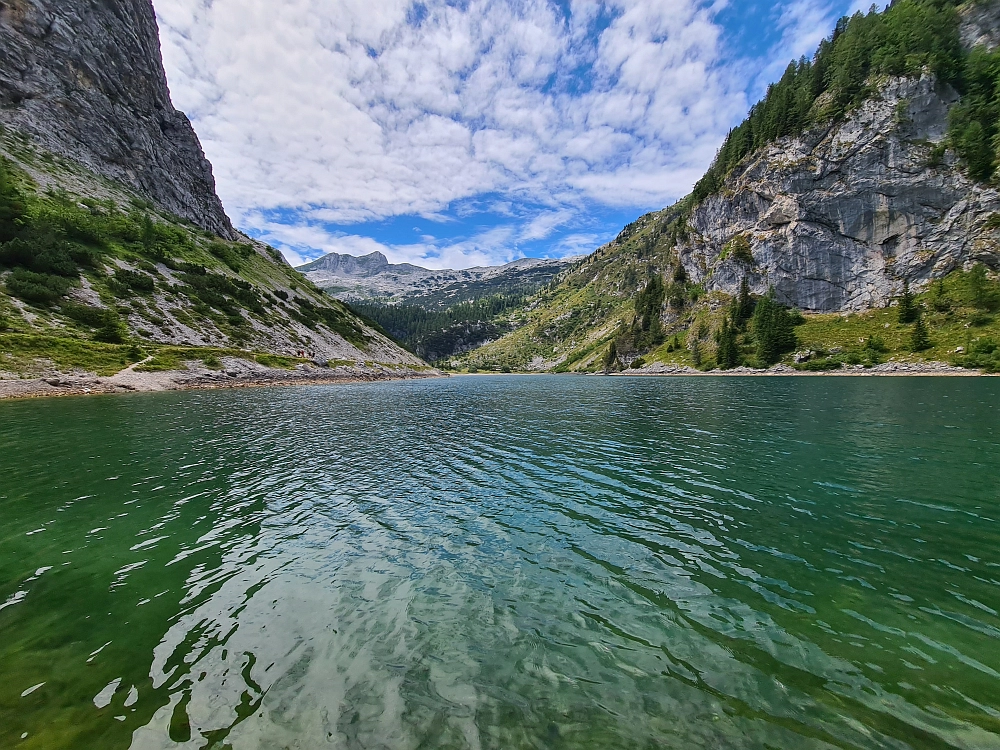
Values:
[(85, 79), (838, 217)]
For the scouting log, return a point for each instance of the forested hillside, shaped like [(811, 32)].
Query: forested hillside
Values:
[(864, 180), (435, 334)]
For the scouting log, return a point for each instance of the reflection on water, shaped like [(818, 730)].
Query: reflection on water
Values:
[(505, 563)]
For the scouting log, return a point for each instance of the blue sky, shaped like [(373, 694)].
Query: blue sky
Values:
[(469, 132)]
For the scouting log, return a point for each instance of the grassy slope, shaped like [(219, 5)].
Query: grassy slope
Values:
[(226, 296), (569, 326)]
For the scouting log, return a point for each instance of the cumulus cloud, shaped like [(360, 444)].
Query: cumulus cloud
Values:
[(348, 111)]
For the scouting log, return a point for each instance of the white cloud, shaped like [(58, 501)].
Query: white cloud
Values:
[(347, 111)]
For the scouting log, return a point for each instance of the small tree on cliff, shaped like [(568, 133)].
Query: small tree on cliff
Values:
[(908, 311)]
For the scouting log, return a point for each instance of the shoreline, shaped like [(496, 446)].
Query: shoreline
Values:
[(243, 374), (886, 369), (234, 374)]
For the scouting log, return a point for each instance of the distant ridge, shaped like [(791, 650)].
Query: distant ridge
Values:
[(373, 277)]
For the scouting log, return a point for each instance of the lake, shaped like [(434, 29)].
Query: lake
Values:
[(505, 562)]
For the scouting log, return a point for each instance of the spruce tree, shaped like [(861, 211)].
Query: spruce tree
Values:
[(743, 304), (773, 329), (727, 352), (696, 352), (920, 340), (907, 305)]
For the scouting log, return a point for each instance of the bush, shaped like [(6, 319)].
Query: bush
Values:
[(230, 256), (112, 330), (134, 281), (738, 248), (89, 316), (983, 354), (819, 365), (638, 364), (40, 288)]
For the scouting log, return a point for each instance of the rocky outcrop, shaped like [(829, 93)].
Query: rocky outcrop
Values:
[(837, 218), (85, 80)]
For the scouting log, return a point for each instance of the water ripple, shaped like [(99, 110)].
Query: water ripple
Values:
[(505, 562)]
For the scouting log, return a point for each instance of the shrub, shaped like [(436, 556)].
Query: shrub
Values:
[(982, 354), (134, 280), (41, 288), (738, 248), (112, 330), (89, 316)]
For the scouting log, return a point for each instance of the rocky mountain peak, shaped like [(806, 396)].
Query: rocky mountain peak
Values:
[(85, 80)]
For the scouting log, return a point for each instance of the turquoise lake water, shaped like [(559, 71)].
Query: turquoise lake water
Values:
[(505, 562)]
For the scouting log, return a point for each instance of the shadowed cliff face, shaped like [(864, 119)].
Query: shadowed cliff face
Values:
[(85, 79)]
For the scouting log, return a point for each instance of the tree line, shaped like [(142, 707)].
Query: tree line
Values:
[(904, 40)]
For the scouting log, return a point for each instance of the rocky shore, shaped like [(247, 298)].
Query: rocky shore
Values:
[(886, 368), (234, 373)]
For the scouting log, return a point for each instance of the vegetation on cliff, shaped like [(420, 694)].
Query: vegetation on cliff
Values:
[(598, 316), (907, 39), (95, 283)]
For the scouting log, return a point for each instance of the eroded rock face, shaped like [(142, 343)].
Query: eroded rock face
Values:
[(839, 217), (85, 79)]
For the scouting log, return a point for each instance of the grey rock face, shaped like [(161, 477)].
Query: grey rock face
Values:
[(349, 266), (372, 276), (981, 24), (839, 217), (85, 79)]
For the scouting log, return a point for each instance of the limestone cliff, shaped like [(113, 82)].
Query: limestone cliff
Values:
[(85, 80), (838, 217)]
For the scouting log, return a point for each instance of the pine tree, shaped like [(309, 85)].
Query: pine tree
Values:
[(727, 352), (920, 340), (773, 329), (696, 352), (907, 306), (743, 304)]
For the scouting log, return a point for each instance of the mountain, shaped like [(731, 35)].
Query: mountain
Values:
[(435, 314), (114, 246), (372, 277), (85, 80), (865, 172)]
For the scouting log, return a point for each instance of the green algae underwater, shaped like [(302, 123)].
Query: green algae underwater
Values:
[(505, 562)]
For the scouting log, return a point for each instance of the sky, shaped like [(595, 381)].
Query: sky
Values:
[(459, 133)]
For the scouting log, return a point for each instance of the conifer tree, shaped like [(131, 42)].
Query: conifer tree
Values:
[(696, 352), (919, 338), (907, 306), (773, 329), (743, 304), (727, 352)]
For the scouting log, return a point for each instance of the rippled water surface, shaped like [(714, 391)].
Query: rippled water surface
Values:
[(505, 562)]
